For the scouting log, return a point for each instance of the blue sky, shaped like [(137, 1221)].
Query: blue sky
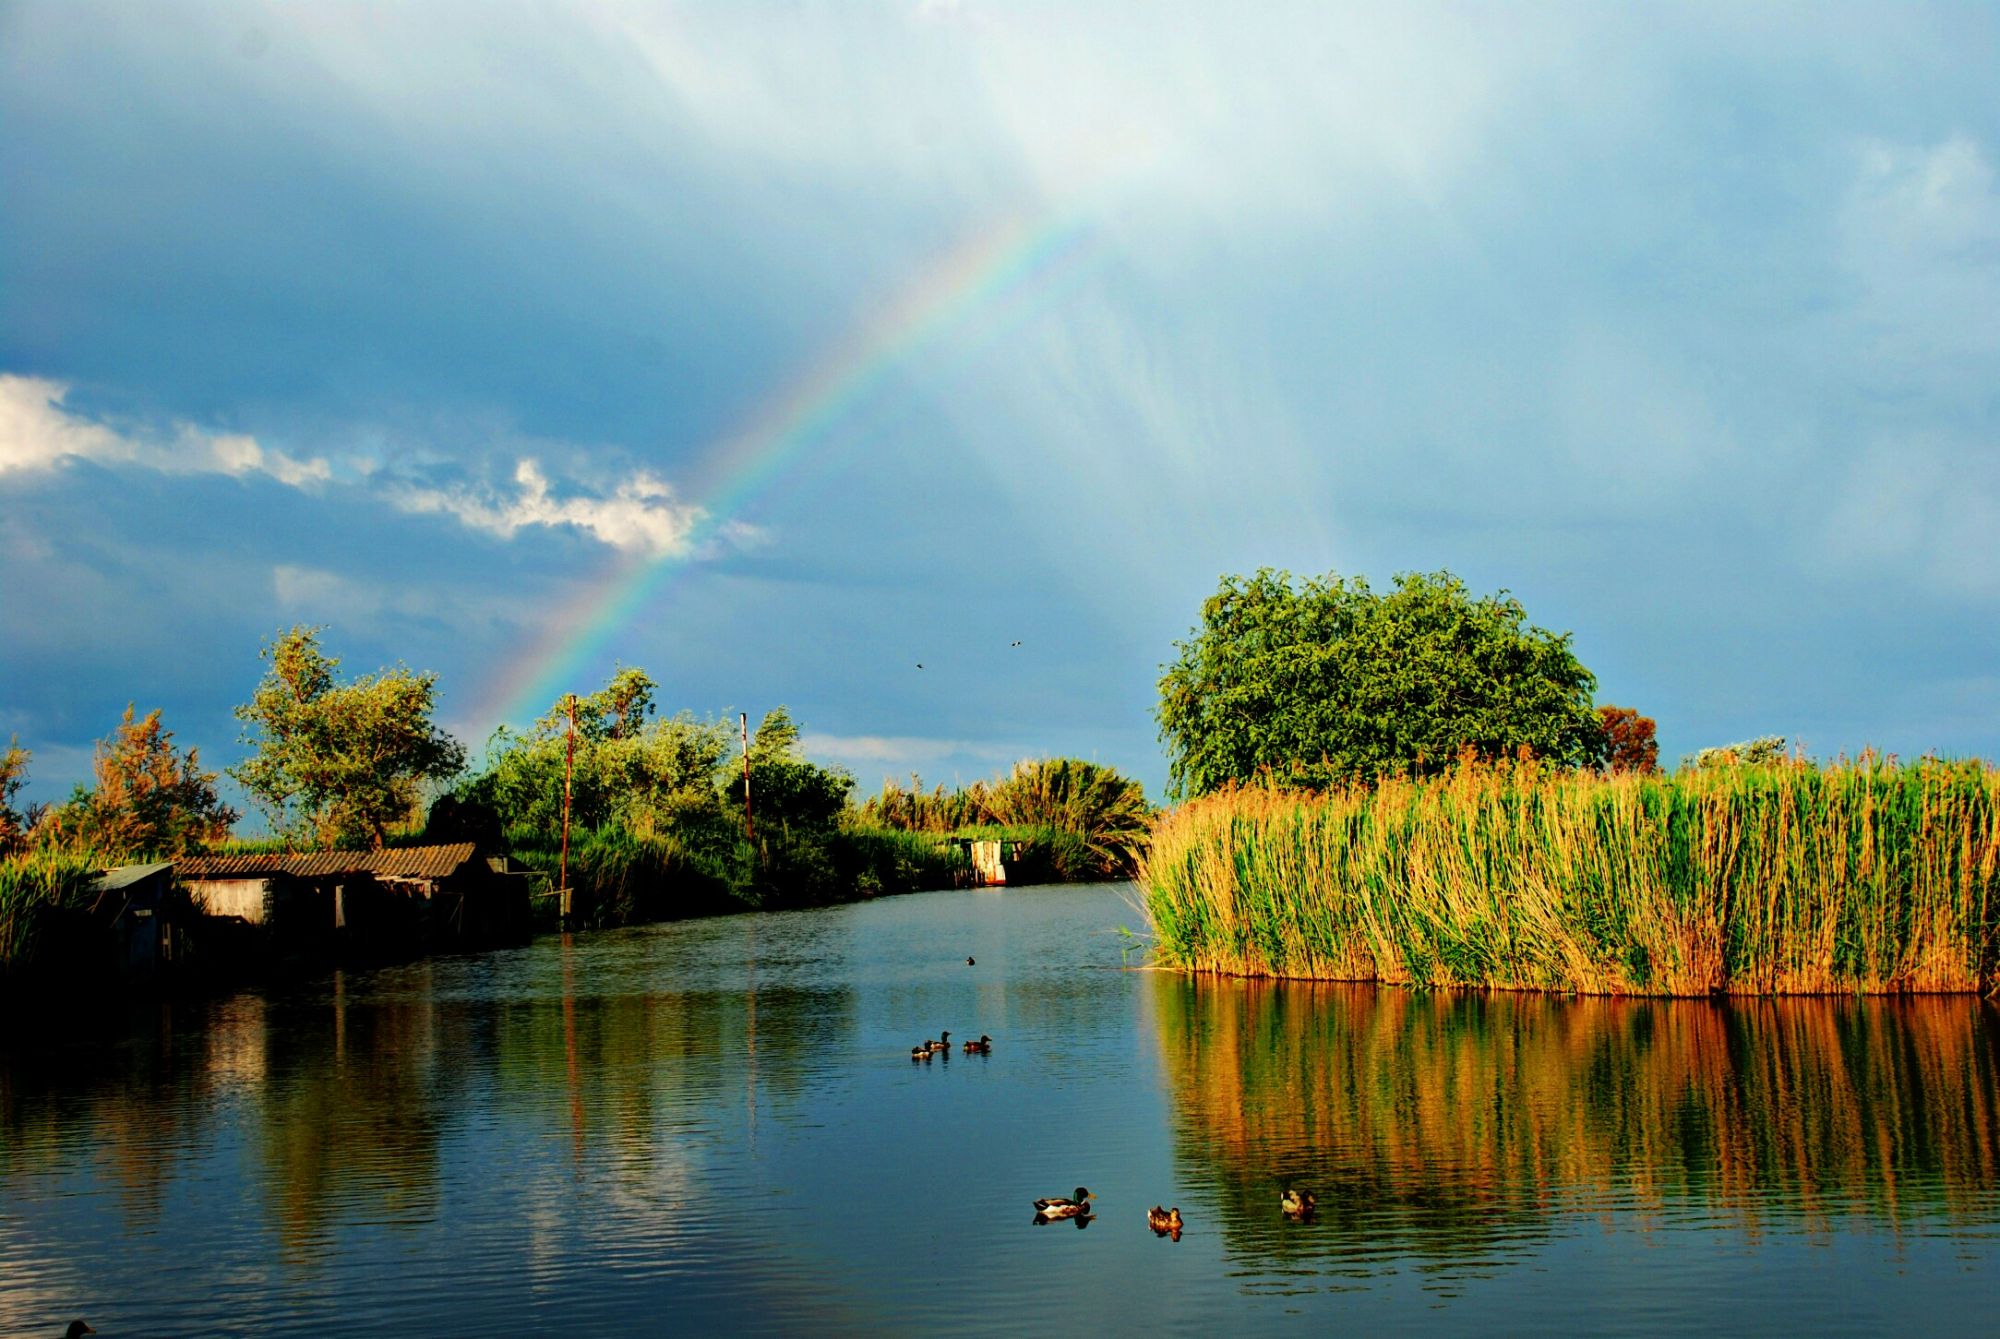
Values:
[(417, 321)]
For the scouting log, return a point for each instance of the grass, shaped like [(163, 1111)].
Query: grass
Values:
[(1782, 878), (40, 889)]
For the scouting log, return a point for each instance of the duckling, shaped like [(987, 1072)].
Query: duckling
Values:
[(984, 1046), (1163, 1221), (1063, 1207), (77, 1329), (1298, 1204), (943, 1043)]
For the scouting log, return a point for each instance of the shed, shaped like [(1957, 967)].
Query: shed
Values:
[(450, 889), (137, 903)]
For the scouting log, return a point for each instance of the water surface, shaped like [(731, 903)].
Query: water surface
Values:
[(716, 1124)]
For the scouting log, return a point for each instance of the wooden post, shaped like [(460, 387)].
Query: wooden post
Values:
[(749, 829), (569, 764)]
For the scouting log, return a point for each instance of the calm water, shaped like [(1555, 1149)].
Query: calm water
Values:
[(712, 1125)]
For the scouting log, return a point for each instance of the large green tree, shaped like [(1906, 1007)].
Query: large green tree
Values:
[(1317, 681), (340, 763)]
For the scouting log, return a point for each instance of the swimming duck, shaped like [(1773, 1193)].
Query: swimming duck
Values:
[(970, 963), (76, 1329), (984, 1046), (1061, 1207), (943, 1043), (1298, 1203), (1164, 1221), (922, 1052)]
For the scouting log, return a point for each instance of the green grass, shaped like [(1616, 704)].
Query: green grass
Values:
[(1772, 879)]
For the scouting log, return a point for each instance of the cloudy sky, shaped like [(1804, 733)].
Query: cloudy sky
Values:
[(781, 348)]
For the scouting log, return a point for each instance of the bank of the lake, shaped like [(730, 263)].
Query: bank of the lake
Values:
[(715, 1125), (1778, 879)]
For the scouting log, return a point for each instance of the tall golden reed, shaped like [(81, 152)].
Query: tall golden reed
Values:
[(1779, 879)]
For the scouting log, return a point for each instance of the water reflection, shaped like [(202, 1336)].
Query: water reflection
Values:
[(1464, 1126)]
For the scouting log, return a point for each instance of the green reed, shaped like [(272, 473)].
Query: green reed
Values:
[(38, 887), (1774, 879)]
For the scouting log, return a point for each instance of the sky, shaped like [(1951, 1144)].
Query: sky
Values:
[(780, 349)]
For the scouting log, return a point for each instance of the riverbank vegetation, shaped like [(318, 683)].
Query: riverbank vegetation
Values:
[(1766, 878), (1073, 821), (641, 815)]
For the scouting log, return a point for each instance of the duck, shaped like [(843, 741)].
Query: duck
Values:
[(1064, 1206), (922, 1052), (970, 963), (76, 1329), (1164, 1221), (984, 1046), (943, 1043), (1298, 1203)]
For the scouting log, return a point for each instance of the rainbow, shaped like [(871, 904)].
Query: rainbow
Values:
[(1001, 268)]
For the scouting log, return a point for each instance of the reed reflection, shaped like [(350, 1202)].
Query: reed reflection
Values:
[(1458, 1124)]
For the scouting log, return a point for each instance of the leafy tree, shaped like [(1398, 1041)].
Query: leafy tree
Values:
[(341, 762), (629, 767), (786, 790), (1629, 745), (1322, 680), (150, 798)]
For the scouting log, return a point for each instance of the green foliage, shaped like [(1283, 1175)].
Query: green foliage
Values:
[(1762, 879), (1078, 820), (787, 792), (877, 861), (150, 798), (339, 763), (651, 834), (1317, 681)]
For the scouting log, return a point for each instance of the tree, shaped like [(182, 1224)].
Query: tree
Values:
[(786, 791), (342, 762), (150, 798), (1629, 745), (1315, 682)]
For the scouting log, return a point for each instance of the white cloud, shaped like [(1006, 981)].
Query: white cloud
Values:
[(37, 432), (641, 515)]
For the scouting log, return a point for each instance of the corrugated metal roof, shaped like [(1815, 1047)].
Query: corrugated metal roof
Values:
[(124, 876), (407, 862)]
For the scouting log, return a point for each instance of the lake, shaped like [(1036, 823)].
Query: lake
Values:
[(717, 1124)]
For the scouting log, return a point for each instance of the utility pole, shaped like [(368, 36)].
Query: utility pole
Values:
[(749, 829), (569, 765)]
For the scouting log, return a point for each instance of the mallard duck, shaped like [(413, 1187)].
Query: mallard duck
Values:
[(1061, 1207), (1164, 1221), (984, 1046), (1298, 1203), (77, 1328), (943, 1043)]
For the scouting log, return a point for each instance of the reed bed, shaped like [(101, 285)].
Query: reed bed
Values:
[(1774, 879), (39, 888)]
